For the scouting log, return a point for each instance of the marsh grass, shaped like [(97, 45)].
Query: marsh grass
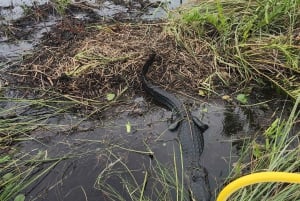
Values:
[(248, 39), (23, 115), (154, 182), (20, 116), (19, 173), (278, 151)]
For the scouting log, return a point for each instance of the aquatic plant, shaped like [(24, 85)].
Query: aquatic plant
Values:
[(163, 182), (20, 117), (19, 172)]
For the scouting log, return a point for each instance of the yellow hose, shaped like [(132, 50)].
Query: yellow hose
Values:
[(257, 178)]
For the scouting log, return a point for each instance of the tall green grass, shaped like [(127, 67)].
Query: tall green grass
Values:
[(278, 151), (255, 39)]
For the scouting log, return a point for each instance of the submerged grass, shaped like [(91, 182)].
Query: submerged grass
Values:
[(18, 120), (251, 39), (278, 151), (23, 115), (161, 181), (17, 174)]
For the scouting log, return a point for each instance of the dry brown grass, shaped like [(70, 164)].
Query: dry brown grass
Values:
[(105, 59)]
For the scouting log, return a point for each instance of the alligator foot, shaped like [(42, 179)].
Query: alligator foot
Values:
[(202, 126)]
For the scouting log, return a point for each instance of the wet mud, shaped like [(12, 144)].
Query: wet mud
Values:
[(23, 22)]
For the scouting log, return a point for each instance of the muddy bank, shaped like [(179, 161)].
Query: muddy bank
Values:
[(23, 23)]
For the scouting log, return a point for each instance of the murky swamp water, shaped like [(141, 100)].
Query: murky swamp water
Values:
[(99, 151), (102, 153), (75, 178)]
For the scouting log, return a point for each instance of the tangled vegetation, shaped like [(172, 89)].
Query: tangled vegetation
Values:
[(251, 40)]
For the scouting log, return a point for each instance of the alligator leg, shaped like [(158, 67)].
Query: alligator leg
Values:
[(175, 121), (202, 126), (173, 126)]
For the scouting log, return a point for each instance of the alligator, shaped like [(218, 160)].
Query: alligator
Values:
[(190, 134)]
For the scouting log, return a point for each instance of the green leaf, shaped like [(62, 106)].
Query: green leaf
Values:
[(128, 127), (273, 128), (4, 159), (242, 98), (7, 176), (256, 151), (110, 96), (20, 197)]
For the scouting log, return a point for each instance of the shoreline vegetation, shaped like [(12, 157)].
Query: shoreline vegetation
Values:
[(279, 152), (204, 47), (250, 40)]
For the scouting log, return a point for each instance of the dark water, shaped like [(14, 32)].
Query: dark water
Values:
[(97, 145)]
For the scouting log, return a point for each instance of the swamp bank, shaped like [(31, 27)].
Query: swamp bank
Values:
[(76, 124)]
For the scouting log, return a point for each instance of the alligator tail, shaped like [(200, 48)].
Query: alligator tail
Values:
[(148, 63)]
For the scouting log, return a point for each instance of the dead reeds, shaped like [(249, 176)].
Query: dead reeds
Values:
[(109, 58)]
